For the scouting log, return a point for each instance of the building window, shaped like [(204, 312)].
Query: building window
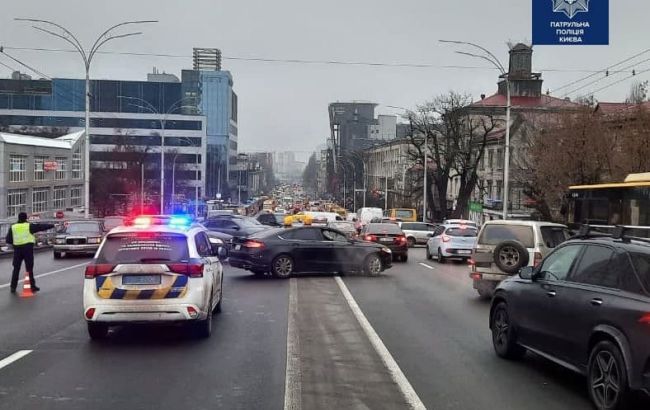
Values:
[(16, 201), (499, 159), (61, 168), (59, 198), (490, 163), (39, 168), (499, 189), (39, 200), (75, 196), (17, 168), (76, 164)]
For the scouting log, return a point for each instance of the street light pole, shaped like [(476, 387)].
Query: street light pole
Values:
[(424, 197), (492, 59), (163, 123), (87, 57)]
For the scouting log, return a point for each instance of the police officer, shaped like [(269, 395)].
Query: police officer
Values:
[(21, 236)]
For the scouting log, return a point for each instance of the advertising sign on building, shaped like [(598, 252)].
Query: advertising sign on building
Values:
[(50, 165), (570, 22)]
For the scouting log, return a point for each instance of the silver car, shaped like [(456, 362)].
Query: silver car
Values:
[(504, 247), (417, 232), (451, 241)]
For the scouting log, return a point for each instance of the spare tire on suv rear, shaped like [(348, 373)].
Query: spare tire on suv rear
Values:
[(510, 256)]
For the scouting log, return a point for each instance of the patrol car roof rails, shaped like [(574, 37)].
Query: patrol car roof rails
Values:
[(587, 231), (622, 232)]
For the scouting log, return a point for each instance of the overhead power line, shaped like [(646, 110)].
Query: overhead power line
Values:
[(299, 61), (603, 71), (2, 51)]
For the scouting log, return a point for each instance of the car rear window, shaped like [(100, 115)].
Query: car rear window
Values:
[(495, 234), (404, 214), (463, 232), (391, 229), (138, 247), (641, 263), (554, 235)]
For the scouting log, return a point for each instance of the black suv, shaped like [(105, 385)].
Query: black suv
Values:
[(585, 307)]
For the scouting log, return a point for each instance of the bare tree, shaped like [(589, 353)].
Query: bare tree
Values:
[(455, 142), (638, 92)]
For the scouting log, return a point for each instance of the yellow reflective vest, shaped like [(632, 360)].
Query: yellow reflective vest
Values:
[(21, 234)]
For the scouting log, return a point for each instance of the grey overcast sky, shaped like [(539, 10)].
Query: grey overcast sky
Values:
[(284, 106)]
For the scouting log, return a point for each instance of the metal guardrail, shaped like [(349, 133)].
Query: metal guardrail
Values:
[(43, 239)]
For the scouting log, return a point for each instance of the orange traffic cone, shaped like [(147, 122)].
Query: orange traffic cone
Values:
[(27, 287)]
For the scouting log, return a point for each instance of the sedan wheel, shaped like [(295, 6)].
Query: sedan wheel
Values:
[(607, 378), (441, 259), (503, 338), (283, 266), (372, 265), (411, 242), (429, 256)]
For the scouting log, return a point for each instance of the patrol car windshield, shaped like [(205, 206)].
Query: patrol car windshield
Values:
[(82, 227), (138, 247)]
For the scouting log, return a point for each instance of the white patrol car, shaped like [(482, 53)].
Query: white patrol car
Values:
[(159, 270)]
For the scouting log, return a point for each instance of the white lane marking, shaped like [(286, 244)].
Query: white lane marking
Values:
[(427, 266), (14, 357), (42, 275), (292, 383), (411, 397)]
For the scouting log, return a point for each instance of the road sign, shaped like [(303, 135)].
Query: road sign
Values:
[(476, 207)]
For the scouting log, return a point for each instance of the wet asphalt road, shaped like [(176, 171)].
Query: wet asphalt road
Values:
[(426, 315)]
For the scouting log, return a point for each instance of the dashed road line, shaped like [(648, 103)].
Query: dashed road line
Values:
[(427, 266), (292, 382), (396, 373), (14, 357), (42, 275)]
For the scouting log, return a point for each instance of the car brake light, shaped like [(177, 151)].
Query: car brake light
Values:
[(445, 238), (193, 270), (90, 313), (370, 238), (400, 239), (253, 244), (645, 319), (192, 312), (538, 259), (98, 270)]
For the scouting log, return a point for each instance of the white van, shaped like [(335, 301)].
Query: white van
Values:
[(365, 215)]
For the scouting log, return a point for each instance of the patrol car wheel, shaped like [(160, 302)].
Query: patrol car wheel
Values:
[(97, 331), (217, 309), (57, 255)]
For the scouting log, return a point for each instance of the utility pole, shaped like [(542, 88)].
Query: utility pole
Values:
[(386, 196)]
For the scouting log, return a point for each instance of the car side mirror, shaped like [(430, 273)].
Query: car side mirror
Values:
[(222, 253), (527, 272), (430, 235)]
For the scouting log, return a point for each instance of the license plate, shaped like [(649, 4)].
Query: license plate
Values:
[(141, 280), (237, 247), (464, 252), (385, 239)]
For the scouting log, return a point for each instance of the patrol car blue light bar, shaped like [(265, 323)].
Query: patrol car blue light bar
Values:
[(180, 221)]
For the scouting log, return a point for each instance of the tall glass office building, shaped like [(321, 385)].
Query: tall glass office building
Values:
[(199, 115)]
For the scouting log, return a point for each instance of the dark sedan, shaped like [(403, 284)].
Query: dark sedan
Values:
[(388, 234), (307, 249), (237, 226), (270, 219), (585, 307)]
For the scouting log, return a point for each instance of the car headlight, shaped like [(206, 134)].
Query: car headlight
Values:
[(94, 240), (216, 241), (386, 250), (59, 241)]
